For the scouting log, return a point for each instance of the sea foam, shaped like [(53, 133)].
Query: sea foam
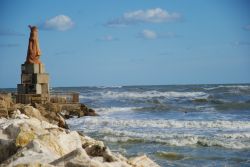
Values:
[(145, 94), (228, 134)]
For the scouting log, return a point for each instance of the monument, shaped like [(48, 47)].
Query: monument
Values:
[(34, 85)]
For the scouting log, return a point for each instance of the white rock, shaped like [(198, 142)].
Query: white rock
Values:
[(142, 161)]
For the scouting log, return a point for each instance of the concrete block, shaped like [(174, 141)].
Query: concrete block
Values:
[(45, 88), (26, 79), (29, 88), (32, 68), (21, 89), (35, 88), (40, 78)]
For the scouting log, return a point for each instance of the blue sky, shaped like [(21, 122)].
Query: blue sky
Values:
[(132, 42)]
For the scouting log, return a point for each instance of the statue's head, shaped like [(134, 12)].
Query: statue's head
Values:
[(33, 28)]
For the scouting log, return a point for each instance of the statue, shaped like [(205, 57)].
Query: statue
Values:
[(34, 52)]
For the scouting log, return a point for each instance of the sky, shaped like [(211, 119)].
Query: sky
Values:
[(130, 42)]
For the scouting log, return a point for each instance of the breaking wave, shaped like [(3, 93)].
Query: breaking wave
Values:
[(106, 110), (221, 124), (228, 134), (146, 94), (151, 94), (176, 139), (243, 87)]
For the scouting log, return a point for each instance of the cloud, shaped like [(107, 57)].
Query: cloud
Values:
[(156, 15), (8, 32), (107, 38), (150, 34), (247, 27), (8, 45), (59, 23), (147, 34)]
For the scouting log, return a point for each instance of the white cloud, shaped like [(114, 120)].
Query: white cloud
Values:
[(107, 38), (148, 34), (60, 23), (156, 15)]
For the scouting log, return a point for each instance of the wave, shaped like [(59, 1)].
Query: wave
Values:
[(239, 87), (175, 139), (220, 124), (105, 87), (222, 133), (116, 109), (170, 155), (152, 94)]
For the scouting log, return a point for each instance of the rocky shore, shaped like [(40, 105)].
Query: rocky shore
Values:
[(37, 135)]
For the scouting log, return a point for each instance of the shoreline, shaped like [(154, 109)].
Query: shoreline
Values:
[(29, 137)]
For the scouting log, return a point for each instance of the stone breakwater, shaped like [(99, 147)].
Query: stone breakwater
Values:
[(29, 138)]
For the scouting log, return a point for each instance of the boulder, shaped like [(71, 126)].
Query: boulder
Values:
[(7, 97), (17, 114), (3, 109), (33, 112), (142, 161), (33, 153), (7, 148), (77, 154), (33, 142)]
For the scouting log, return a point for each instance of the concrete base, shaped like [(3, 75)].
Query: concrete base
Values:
[(29, 88), (32, 98), (35, 78), (32, 68), (34, 85)]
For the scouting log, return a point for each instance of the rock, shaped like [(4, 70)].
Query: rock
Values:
[(108, 156), (142, 161), (87, 111), (33, 153), (33, 112), (3, 109), (52, 107), (34, 142), (7, 98), (24, 137), (118, 164), (95, 150), (50, 116), (7, 148), (61, 122), (17, 114), (78, 153), (33, 165), (91, 112)]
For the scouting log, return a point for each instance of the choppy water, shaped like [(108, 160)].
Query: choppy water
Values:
[(188, 125)]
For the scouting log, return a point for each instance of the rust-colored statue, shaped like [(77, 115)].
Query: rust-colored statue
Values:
[(34, 52)]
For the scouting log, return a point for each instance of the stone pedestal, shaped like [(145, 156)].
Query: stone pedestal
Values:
[(34, 84)]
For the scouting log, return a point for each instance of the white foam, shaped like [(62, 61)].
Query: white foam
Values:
[(228, 134), (145, 94), (106, 110), (152, 94), (220, 124), (82, 97), (180, 139), (175, 139), (241, 87)]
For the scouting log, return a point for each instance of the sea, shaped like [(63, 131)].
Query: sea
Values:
[(175, 125)]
